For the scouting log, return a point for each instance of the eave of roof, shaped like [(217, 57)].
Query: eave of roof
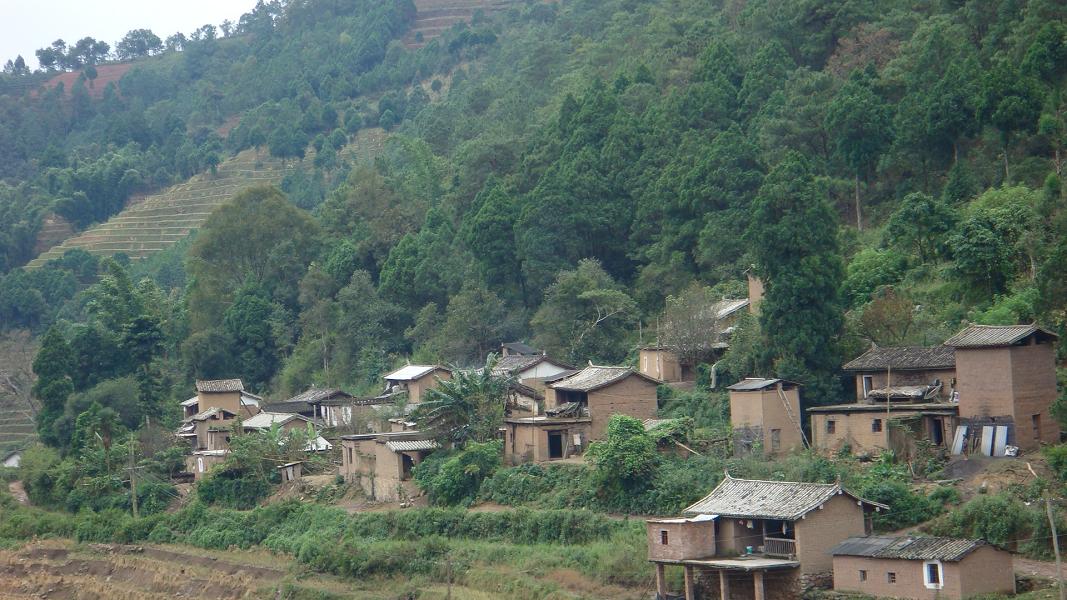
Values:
[(903, 358), (595, 377), (993, 336), (779, 500), (941, 407)]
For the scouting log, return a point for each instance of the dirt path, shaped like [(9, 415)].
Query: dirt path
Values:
[(18, 492), (1037, 568)]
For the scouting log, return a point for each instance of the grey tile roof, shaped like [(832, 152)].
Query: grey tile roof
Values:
[(908, 547), (895, 409), (756, 499), (513, 365), (988, 336), (209, 413), (520, 348), (904, 358), (316, 395), (412, 445), (264, 420), (758, 383), (220, 385), (594, 377)]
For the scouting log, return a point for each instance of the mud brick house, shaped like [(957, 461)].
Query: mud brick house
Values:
[(868, 429), (914, 373), (1006, 379), (414, 380), (530, 369), (577, 409), (664, 363), (757, 539), (227, 394), (600, 392), (765, 414), (921, 568), (382, 462)]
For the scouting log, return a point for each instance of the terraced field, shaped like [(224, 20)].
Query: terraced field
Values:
[(165, 218), (434, 17), (17, 431)]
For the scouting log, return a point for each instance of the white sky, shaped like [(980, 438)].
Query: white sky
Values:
[(26, 25)]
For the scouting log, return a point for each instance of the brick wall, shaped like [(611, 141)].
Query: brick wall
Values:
[(987, 570), (984, 380), (687, 540), (1034, 389), (880, 377), (822, 529), (633, 396), (854, 429)]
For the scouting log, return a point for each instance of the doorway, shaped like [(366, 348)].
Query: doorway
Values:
[(555, 444), (937, 432)]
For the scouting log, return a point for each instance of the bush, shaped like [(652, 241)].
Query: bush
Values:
[(906, 508), (998, 519), (626, 457), (451, 478), (233, 488)]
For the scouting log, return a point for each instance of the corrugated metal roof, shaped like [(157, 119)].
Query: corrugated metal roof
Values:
[(908, 547), (904, 358), (756, 499), (985, 336), (411, 372), (220, 385), (594, 377), (757, 383), (264, 420), (412, 445)]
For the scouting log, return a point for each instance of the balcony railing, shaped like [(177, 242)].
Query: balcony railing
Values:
[(779, 547)]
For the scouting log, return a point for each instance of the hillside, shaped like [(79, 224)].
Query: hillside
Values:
[(162, 219), (434, 17)]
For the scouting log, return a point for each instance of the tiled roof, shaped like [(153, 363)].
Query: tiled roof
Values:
[(903, 358), (987, 336), (725, 308), (520, 348), (908, 547), (191, 401), (904, 408), (317, 395), (513, 365), (757, 383), (593, 378), (211, 412), (783, 500), (411, 372), (265, 419), (220, 385), (412, 445)]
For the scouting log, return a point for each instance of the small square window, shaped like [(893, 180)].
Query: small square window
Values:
[(663, 537), (831, 426), (891, 577), (863, 575), (876, 425)]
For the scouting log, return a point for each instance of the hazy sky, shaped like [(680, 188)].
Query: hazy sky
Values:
[(26, 25)]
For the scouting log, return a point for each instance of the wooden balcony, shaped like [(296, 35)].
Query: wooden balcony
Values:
[(779, 547)]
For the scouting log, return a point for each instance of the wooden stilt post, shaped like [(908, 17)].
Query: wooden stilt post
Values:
[(757, 580), (661, 582), (690, 584), (724, 585)]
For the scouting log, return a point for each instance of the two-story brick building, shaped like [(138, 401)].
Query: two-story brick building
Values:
[(756, 539), (765, 414)]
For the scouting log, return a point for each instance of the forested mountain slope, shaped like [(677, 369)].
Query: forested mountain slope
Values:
[(555, 172)]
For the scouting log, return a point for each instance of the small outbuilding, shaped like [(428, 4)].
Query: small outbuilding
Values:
[(765, 414), (921, 567)]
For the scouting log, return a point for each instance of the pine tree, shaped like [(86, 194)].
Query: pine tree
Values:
[(53, 386), (794, 241)]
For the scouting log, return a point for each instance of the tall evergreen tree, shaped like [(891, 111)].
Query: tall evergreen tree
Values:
[(793, 234), (53, 386)]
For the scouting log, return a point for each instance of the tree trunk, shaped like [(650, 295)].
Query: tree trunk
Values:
[(859, 214), (1007, 175), (955, 152)]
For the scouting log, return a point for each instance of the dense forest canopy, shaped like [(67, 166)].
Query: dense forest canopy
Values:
[(552, 172)]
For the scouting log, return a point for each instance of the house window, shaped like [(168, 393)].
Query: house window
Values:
[(663, 537), (1035, 420), (891, 577), (932, 575), (776, 439), (876, 425), (868, 385), (831, 427), (863, 575)]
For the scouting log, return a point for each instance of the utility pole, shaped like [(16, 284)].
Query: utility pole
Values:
[(133, 477), (1055, 538)]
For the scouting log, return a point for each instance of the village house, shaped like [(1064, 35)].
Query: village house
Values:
[(328, 406), (414, 381), (757, 539), (665, 364), (577, 409), (921, 568), (908, 373), (866, 429), (1006, 379), (227, 394), (765, 414), (382, 462), (530, 369)]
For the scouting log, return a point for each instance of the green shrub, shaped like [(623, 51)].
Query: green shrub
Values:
[(906, 508), (233, 488), (451, 478), (998, 518)]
